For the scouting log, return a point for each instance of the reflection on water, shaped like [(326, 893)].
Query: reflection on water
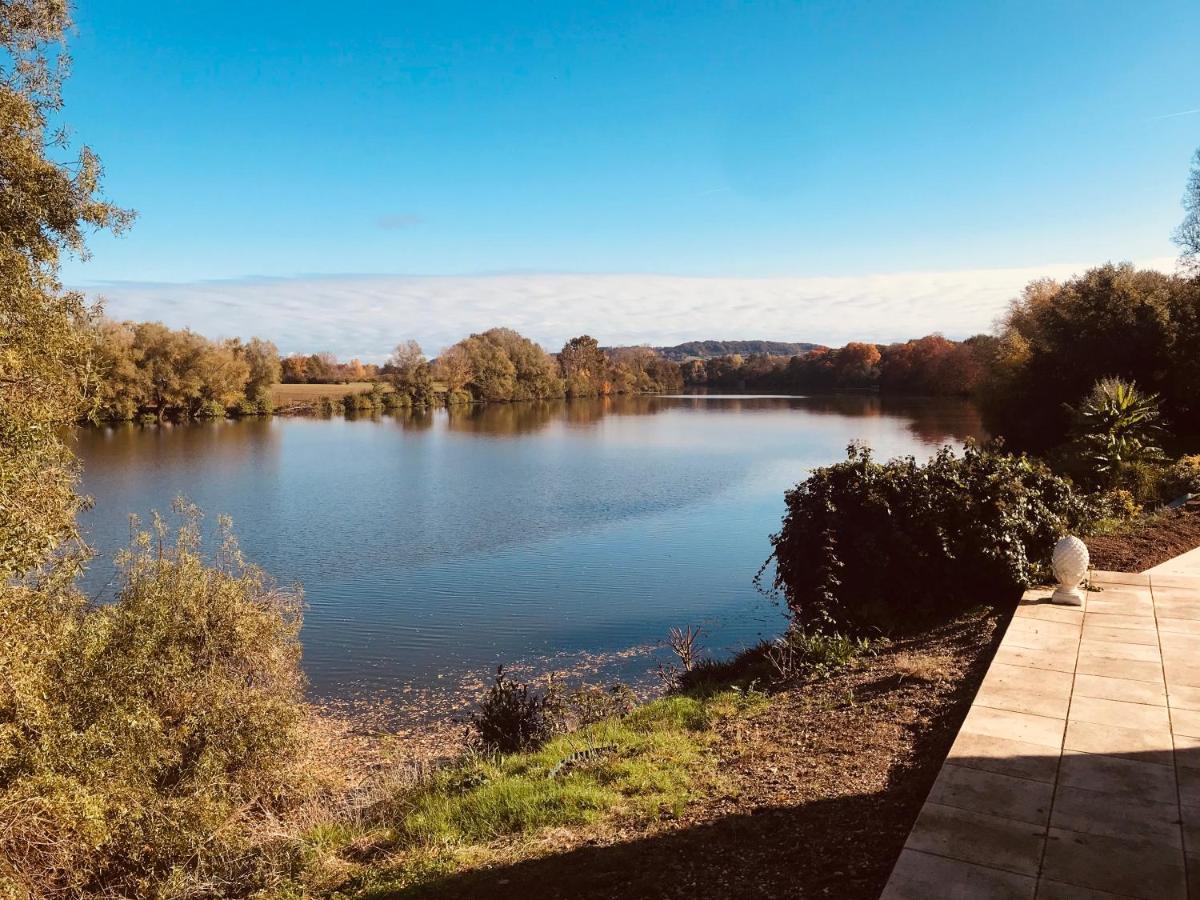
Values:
[(432, 544)]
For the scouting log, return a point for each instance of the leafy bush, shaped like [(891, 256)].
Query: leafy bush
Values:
[(211, 409), (1182, 477), (397, 400), (867, 544), (512, 717), (814, 654), (141, 741)]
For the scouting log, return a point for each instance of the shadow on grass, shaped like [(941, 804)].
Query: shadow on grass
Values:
[(840, 846)]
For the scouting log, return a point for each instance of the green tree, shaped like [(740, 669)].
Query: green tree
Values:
[(122, 385), (1059, 339), (584, 368), (46, 360), (266, 370), (493, 375)]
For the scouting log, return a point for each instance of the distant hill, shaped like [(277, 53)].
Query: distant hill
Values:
[(710, 349)]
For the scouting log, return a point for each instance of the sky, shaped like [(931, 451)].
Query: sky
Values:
[(345, 176)]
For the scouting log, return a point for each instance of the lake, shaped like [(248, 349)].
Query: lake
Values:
[(564, 535)]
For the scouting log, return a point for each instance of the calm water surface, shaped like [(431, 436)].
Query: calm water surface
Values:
[(433, 546)]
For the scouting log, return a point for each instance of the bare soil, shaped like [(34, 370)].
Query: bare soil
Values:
[(821, 789), (1148, 543)]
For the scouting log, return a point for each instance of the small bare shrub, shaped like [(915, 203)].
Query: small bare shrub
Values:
[(684, 644)]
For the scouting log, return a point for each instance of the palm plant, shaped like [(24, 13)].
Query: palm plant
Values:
[(1116, 426)]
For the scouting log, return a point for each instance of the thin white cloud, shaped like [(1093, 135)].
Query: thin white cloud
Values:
[(366, 316), (1174, 115), (397, 221)]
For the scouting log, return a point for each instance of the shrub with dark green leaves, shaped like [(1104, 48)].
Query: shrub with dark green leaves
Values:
[(869, 545), (512, 717)]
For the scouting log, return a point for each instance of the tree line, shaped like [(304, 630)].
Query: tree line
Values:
[(931, 365)]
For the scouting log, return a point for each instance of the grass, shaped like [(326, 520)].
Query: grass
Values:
[(645, 765), (295, 393)]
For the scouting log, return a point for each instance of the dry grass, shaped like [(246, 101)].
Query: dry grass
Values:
[(293, 393), (916, 667)]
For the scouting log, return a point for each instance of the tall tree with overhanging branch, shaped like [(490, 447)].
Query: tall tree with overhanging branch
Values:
[(1187, 235), (50, 199)]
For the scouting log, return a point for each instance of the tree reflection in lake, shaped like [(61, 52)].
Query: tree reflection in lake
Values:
[(428, 548)]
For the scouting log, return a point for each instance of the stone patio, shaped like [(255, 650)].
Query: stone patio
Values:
[(1077, 769)]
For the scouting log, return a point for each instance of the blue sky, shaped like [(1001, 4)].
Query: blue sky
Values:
[(811, 152)]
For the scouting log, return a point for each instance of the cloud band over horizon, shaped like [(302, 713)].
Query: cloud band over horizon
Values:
[(366, 315)]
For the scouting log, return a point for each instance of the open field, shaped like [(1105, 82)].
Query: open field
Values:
[(295, 393)]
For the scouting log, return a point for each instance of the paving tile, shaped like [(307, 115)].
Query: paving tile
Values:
[(1167, 625), (1179, 609), (1174, 592), (1181, 673), (1150, 745), (1169, 580), (1049, 612), (1092, 812), (1193, 870), (1041, 730), (1171, 640), (1022, 689), (1056, 890), (1189, 785), (1133, 669), (1035, 659), (1135, 868), (1119, 776), (1121, 593), (1028, 639), (1191, 829), (977, 838), (1182, 696), (1119, 713), (1008, 757), (1046, 626), (992, 794), (1093, 632), (1186, 722), (1133, 607), (1118, 620), (920, 876), (1120, 689), (1102, 577), (1120, 650), (1057, 684), (1187, 752)]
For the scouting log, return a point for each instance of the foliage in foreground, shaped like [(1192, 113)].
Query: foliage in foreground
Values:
[(889, 545), (641, 765), (139, 741)]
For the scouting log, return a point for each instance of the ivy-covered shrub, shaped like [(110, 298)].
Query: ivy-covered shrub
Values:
[(888, 545)]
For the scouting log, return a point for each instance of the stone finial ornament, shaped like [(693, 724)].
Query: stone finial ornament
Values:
[(1070, 564)]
